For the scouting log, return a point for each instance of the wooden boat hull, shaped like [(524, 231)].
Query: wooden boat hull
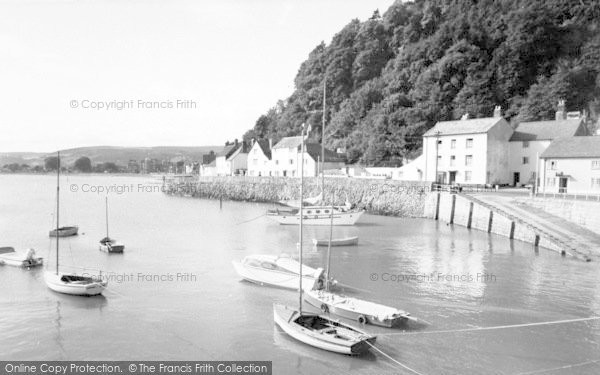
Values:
[(64, 231), (349, 241), (55, 283), (363, 312), (275, 278), (339, 218), (286, 317), (112, 247)]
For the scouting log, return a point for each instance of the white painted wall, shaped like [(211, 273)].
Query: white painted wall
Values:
[(516, 153), (258, 163), (578, 172), (478, 151), (223, 166)]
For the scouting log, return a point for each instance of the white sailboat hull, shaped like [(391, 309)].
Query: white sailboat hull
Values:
[(89, 288), (112, 247), (286, 317), (361, 311), (339, 218), (349, 241)]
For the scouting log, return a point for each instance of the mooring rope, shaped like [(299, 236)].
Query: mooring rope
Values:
[(393, 360), (494, 327), (247, 221), (560, 368)]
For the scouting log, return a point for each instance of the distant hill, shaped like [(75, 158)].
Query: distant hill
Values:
[(117, 155)]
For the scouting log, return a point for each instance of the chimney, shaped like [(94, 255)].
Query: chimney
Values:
[(497, 111), (560, 111), (252, 142), (270, 143), (465, 116), (235, 143)]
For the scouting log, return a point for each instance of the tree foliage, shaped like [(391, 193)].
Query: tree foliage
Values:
[(83, 164), (393, 76)]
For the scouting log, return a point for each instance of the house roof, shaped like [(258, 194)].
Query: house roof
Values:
[(546, 130), (226, 151), (242, 148), (473, 126), (314, 150), (573, 147), (289, 142), (264, 146)]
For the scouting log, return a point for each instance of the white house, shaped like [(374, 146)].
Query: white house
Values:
[(285, 158), (468, 151), (571, 165), (531, 139), (411, 171), (259, 158), (233, 160)]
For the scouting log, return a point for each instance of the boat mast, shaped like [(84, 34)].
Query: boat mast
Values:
[(301, 208), (329, 247), (106, 217), (57, 207), (323, 142)]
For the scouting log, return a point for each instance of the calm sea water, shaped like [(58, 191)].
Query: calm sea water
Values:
[(174, 295)]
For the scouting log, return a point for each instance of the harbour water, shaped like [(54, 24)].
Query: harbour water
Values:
[(174, 295)]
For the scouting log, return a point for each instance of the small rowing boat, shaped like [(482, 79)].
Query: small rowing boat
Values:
[(348, 241), (64, 231)]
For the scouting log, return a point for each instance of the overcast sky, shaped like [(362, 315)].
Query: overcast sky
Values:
[(233, 59)]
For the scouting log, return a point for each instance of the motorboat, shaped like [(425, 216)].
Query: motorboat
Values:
[(27, 258), (361, 311), (278, 271)]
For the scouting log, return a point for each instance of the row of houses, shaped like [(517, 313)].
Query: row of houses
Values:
[(262, 158), (560, 155)]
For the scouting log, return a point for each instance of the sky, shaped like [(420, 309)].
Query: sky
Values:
[(77, 73)]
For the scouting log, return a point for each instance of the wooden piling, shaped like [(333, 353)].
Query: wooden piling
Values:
[(452, 209), (490, 221), (470, 220), (437, 207), (512, 230)]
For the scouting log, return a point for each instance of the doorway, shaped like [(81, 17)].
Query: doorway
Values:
[(516, 179), (452, 177), (562, 185)]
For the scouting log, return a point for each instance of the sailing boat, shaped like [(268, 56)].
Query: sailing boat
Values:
[(316, 213), (314, 329), (69, 283), (362, 311), (110, 245)]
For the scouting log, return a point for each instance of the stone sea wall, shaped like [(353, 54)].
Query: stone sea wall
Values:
[(384, 197)]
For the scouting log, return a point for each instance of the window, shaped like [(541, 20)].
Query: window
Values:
[(452, 160), (439, 142), (596, 183), (469, 143), (291, 161), (551, 181), (595, 164), (468, 159), (255, 161), (525, 160), (468, 176), (525, 144), (255, 151), (453, 143), (553, 165), (276, 162)]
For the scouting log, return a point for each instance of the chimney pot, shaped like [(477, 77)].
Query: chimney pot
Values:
[(561, 114), (497, 111)]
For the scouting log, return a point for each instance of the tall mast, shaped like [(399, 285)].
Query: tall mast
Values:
[(57, 207), (323, 141), (301, 211), (329, 247), (106, 217)]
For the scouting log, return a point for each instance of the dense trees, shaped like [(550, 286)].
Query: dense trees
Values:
[(83, 164), (391, 77)]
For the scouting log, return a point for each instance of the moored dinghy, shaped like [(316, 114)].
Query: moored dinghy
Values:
[(313, 329), (348, 241), (322, 332), (110, 245), (28, 258), (64, 231)]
